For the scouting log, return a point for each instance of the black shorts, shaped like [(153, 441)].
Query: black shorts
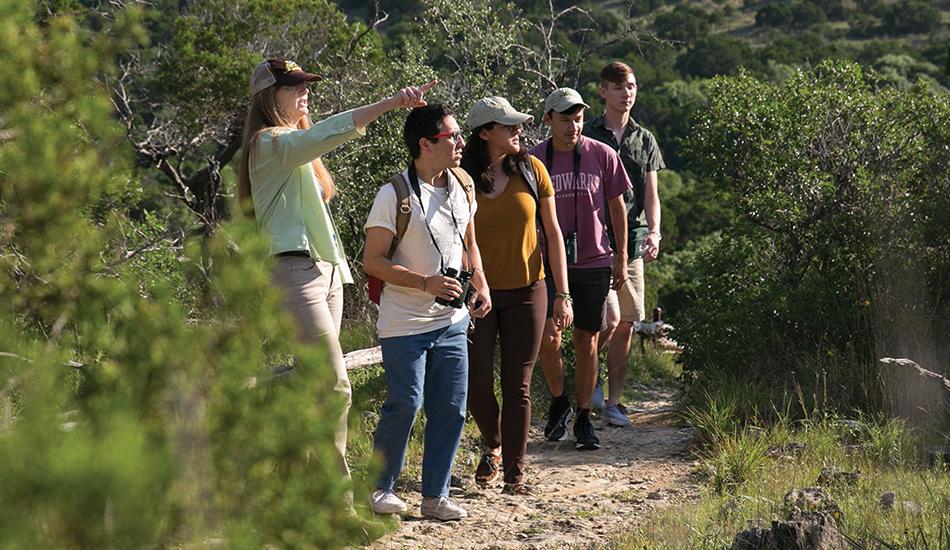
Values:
[(589, 289)]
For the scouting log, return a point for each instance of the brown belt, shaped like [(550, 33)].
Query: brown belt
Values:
[(300, 253)]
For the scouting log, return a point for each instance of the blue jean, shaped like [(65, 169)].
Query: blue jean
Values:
[(431, 370)]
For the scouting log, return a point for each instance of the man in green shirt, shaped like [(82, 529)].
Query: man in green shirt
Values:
[(641, 159)]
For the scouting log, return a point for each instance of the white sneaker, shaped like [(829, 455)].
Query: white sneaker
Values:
[(441, 508), (386, 502), (614, 417)]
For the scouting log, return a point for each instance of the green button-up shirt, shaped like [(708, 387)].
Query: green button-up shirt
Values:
[(288, 201), (640, 154)]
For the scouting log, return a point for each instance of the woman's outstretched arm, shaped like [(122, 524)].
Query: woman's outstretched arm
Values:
[(409, 97)]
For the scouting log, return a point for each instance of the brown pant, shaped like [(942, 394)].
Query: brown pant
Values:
[(313, 294), (518, 316)]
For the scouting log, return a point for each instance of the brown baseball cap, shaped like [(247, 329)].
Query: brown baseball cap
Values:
[(281, 72)]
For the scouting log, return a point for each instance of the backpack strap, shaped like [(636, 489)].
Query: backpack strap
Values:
[(466, 182), (403, 211), (527, 171), (468, 185), (531, 178)]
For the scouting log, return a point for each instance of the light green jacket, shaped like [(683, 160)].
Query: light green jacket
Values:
[(287, 197)]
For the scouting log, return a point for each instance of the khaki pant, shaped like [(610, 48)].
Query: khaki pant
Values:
[(630, 295), (313, 294), (628, 301)]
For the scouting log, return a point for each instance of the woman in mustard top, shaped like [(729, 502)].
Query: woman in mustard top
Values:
[(285, 186), (507, 233)]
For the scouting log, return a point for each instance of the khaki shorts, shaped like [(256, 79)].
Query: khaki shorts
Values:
[(630, 295)]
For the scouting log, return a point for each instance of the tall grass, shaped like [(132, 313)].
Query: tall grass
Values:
[(655, 365), (717, 419), (748, 482)]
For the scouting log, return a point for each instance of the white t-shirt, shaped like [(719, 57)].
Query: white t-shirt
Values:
[(405, 311)]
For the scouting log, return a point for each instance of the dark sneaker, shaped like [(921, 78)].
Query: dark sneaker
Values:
[(584, 432), (559, 414), (488, 468)]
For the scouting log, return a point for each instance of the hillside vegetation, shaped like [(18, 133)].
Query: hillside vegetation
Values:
[(804, 222)]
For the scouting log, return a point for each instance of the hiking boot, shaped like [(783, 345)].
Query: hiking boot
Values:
[(613, 416), (518, 490), (597, 399), (386, 502), (488, 468), (442, 509), (584, 432), (559, 414)]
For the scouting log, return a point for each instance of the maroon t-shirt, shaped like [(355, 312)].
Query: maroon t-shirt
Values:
[(601, 177)]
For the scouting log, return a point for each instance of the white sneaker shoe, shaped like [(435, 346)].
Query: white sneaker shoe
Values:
[(442, 509), (386, 502), (614, 417)]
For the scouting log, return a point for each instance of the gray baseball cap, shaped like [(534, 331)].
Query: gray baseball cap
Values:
[(562, 99), (494, 109)]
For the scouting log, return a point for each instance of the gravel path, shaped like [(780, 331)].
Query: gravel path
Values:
[(584, 499)]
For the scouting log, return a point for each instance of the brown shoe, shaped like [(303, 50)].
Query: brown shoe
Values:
[(488, 468), (518, 489)]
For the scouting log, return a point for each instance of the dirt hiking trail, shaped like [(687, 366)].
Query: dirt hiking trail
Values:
[(584, 498)]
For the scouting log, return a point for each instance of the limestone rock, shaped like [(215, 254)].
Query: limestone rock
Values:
[(887, 500), (809, 502), (811, 524), (852, 431), (837, 476), (816, 532)]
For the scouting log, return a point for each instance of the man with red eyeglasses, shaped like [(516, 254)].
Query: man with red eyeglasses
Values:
[(423, 309)]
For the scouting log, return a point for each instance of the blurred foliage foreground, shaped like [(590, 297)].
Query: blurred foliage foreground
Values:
[(125, 422), (137, 405)]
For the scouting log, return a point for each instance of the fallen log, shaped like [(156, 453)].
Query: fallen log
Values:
[(363, 357), (924, 373)]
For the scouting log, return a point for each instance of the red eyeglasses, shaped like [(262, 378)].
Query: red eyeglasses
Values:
[(456, 136)]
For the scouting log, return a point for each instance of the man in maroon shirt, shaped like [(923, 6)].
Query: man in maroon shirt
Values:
[(587, 177)]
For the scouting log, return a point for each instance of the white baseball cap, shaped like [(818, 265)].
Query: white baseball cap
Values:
[(563, 99), (494, 109)]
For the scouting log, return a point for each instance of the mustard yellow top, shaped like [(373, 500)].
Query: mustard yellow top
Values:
[(507, 234)]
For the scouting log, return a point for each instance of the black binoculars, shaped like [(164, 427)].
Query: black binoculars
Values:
[(465, 279)]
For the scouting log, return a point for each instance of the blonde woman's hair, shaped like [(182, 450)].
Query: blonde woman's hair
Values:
[(264, 115)]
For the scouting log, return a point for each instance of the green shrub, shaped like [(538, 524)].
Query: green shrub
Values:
[(890, 442), (912, 16), (805, 14), (684, 23), (773, 15), (718, 54), (861, 25), (735, 460), (823, 171), (716, 417), (130, 421)]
